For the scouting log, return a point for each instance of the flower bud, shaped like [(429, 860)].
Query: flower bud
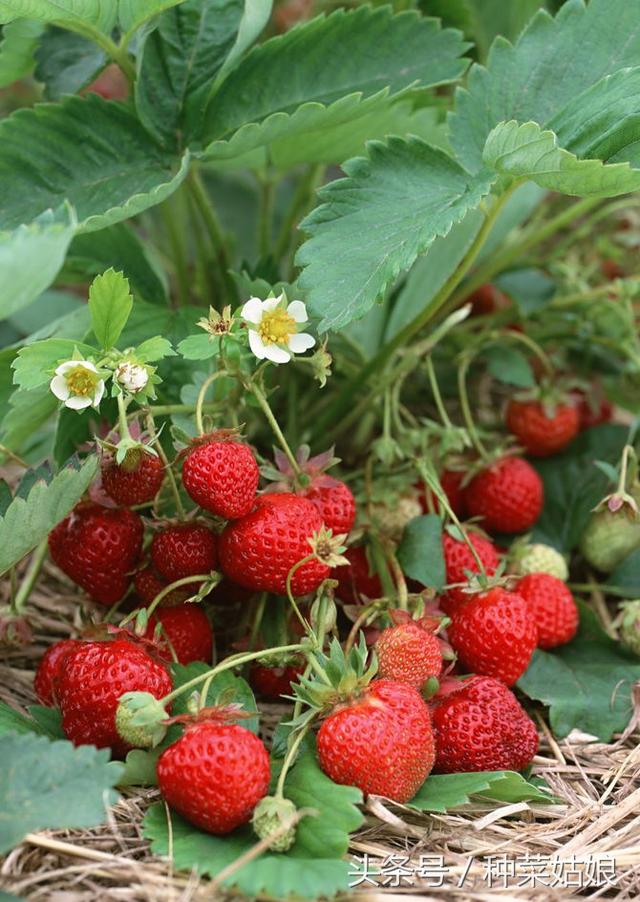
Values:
[(132, 376)]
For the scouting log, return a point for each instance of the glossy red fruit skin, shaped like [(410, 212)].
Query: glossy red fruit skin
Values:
[(354, 579), (480, 726), (188, 630), (458, 558), (408, 653), (129, 487), (94, 677), (451, 482), (49, 670), (214, 775), (185, 549), (592, 414), (507, 496), (336, 505), (552, 607), (494, 635), (382, 742), (222, 477), (97, 547), (542, 435), (258, 551), (148, 584), (274, 682)]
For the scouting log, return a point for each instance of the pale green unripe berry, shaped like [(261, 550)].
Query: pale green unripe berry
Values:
[(139, 720), (269, 816), (630, 625), (538, 558)]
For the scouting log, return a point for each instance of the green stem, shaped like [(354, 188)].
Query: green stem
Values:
[(184, 581), (229, 664), (299, 201), (277, 431), (336, 411), (123, 425), (291, 757), (401, 583), (497, 262), (118, 53), (35, 566), (176, 240), (437, 397), (216, 236), (200, 400), (510, 335), (466, 409), (265, 218), (306, 626), (167, 467), (162, 410)]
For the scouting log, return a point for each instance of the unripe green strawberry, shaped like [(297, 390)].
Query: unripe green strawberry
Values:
[(272, 814), (610, 536), (538, 558), (630, 625)]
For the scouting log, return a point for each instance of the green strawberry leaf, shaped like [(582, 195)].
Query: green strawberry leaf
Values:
[(225, 688), (573, 485), (420, 551), (80, 15), (110, 303), (52, 784), (442, 792), (587, 683), (313, 867), (12, 721), (18, 44), (46, 240), (413, 193), (527, 152), (112, 170), (28, 521), (67, 62), (35, 363), (509, 365)]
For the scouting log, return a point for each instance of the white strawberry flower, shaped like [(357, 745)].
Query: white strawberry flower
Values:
[(78, 384), (275, 335), (132, 376)]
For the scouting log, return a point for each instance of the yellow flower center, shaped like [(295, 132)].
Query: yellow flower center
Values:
[(81, 381), (276, 327)]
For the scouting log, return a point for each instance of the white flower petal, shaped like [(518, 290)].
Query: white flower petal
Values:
[(76, 402), (256, 344), (59, 387), (252, 311), (99, 392), (298, 311), (301, 342), (271, 304), (86, 365), (65, 367), (276, 354)]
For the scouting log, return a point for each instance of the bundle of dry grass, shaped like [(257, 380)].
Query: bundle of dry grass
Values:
[(587, 844)]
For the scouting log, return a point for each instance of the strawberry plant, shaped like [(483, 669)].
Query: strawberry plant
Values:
[(319, 370)]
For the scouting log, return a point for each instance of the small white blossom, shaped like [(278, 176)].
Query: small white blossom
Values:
[(132, 376), (78, 384), (275, 334)]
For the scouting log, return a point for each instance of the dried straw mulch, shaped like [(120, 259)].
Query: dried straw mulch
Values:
[(599, 818)]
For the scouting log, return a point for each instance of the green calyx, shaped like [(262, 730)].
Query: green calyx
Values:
[(275, 817), (140, 719), (630, 625), (335, 677)]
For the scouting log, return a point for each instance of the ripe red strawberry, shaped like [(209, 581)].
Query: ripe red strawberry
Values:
[(552, 607), (214, 775), (98, 547), (135, 481), (258, 550), (479, 725), (335, 502), (508, 496), (381, 742), (94, 677), (221, 475), (188, 631), (542, 433), (458, 559), (409, 652), (184, 549), (49, 670), (273, 682), (494, 635), (356, 581), (148, 584), (593, 408), (487, 299), (451, 482)]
